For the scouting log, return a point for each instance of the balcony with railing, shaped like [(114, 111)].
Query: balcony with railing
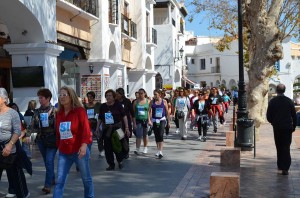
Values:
[(128, 28), (151, 37), (215, 69), (85, 8)]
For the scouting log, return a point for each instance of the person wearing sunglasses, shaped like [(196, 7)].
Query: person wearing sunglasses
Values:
[(73, 135), (202, 108)]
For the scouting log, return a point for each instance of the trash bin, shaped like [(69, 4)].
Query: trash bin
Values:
[(245, 132), (298, 118)]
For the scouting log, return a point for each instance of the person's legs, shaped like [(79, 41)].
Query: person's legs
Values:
[(109, 155), (283, 140), (64, 164), (49, 164), (139, 134), (17, 179), (26, 148), (84, 168), (199, 127)]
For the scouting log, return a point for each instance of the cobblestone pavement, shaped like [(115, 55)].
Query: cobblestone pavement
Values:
[(184, 171)]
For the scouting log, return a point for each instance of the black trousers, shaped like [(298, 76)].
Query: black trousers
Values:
[(283, 140), (17, 181), (109, 154), (202, 126)]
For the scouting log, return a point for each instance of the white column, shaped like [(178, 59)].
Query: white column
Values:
[(31, 55)]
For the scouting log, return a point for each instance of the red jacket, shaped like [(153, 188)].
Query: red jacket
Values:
[(80, 130)]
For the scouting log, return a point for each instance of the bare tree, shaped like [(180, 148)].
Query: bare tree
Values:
[(265, 23)]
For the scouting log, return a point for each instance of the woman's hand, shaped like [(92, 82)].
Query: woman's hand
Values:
[(7, 149), (82, 151), (127, 131)]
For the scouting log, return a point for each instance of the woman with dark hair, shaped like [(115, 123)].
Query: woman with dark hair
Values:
[(112, 116), (127, 105), (173, 102), (92, 109), (43, 124), (73, 135), (140, 121), (158, 114), (201, 108)]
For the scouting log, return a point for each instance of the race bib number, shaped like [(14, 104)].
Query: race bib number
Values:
[(90, 113), (181, 102), (141, 110), (65, 130), (214, 100), (44, 119), (109, 119), (201, 106), (158, 112)]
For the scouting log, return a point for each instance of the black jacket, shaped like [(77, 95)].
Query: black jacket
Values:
[(281, 113)]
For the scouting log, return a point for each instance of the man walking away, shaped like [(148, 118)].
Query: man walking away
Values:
[(281, 114)]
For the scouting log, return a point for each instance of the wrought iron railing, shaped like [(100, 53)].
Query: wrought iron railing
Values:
[(154, 36), (128, 27), (89, 6)]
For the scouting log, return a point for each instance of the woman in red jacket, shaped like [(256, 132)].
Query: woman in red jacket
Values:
[(73, 135)]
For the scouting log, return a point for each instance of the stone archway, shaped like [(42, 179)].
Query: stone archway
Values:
[(177, 80), (218, 83), (232, 84)]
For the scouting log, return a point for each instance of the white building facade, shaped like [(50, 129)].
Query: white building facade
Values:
[(209, 67), (169, 21), (88, 45)]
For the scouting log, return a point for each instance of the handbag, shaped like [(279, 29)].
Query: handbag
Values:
[(7, 162), (180, 114)]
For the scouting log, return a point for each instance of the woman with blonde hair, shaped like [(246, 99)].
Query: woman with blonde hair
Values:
[(73, 135)]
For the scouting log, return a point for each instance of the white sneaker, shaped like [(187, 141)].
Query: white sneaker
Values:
[(157, 154), (145, 151), (177, 130), (136, 151), (199, 138), (8, 195)]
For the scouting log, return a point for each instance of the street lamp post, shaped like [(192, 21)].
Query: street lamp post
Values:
[(244, 125)]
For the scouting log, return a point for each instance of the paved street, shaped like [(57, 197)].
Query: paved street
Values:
[(183, 172)]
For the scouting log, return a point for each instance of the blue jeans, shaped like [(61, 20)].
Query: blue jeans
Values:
[(48, 157), (64, 164), (26, 148)]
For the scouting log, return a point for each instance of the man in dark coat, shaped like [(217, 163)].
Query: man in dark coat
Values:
[(281, 113)]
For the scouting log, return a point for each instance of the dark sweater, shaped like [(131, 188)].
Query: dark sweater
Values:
[(281, 113)]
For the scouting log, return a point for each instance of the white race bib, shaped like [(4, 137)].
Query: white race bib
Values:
[(141, 110), (90, 113), (158, 112), (44, 119), (214, 101), (109, 119), (181, 102), (65, 130)]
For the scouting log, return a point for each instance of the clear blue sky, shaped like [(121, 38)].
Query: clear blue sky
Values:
[(199, 25)]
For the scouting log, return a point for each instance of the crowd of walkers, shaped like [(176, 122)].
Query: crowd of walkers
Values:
[(70, 126)]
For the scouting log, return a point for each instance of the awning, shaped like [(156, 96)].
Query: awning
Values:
[(188, 80)]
